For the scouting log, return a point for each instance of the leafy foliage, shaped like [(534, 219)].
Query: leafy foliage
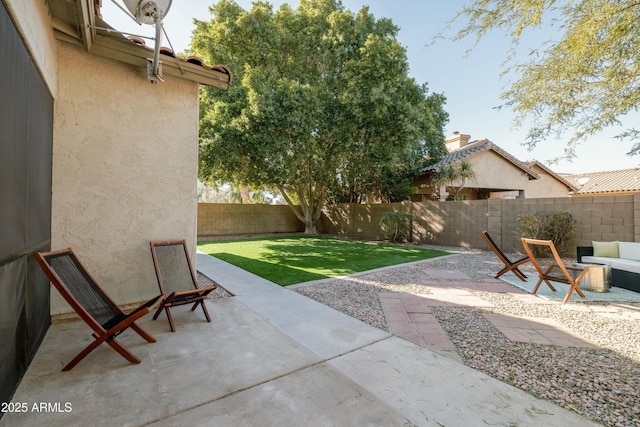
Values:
[(396, 226), (584, 79), (321, 107), (556, 226), (229, 193), (455, 176)]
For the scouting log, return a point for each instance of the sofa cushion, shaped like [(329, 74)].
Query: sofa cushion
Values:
[(629, 250), (606, 249), (626, 265), (597, 260)]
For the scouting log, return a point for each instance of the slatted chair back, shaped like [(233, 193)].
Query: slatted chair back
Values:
[(79, 289), (508, 264), (177, 278), (173, 269), (550, 267), (95, 308)]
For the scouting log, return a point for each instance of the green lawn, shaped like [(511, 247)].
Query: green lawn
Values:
[(290, 260)]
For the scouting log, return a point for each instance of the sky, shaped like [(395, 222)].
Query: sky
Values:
[(471, 82)]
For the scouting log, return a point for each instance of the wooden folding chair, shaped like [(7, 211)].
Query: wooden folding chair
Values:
[(508, 264), (177, 279), (548, 274), (93, 306)]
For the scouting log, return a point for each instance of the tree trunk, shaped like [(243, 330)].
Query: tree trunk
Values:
[(309, 220), (244, 194), (307, 216), (310, 228)]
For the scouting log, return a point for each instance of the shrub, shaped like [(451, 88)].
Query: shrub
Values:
[(396, 226), (556, 226)]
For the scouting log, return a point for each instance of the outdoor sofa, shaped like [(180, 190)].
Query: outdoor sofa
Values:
[(622, 257)]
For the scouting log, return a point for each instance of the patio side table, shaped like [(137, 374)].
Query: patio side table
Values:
[(598, 279)]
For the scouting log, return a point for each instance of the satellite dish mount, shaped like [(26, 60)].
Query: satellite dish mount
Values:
[(151, 12)]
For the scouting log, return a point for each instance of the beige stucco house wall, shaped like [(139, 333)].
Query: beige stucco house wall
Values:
[(547, 184), (493, 171), (497, 174), (125, 150), (124, 169)]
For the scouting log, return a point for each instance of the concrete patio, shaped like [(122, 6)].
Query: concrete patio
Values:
[(270, 357)]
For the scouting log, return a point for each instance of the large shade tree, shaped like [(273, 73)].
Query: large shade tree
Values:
[(584, 79), (321, 105)]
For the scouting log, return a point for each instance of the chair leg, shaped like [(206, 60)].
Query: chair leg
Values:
[(501, 272), (99, 340), (515, 271), (206, 312), (144, 334), (173, 328), (543, 278), (82, 355), (549, 285), (520, 274), (158, 311), (123, 351), (535, 289), (575, 287)]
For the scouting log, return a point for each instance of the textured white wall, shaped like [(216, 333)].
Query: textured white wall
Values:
[(32, 20), (493, 171), (545, 186), (124, 170)]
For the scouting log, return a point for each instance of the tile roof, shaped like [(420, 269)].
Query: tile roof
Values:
[(477, 147), (80, 21), (615, 181), (164, 50)]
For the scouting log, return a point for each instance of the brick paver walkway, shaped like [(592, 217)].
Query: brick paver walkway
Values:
[(411, 317)]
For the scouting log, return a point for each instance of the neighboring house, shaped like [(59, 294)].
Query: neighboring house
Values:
[(94, 157), (498, 174), (606, 183)]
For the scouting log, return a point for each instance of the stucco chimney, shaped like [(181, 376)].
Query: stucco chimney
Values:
[(457, 141)]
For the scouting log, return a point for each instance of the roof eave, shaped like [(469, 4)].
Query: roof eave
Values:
[(124, 50)]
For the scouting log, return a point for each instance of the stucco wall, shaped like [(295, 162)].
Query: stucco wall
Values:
[(493, 171), (32, 20), (545, 186), (124, 169)]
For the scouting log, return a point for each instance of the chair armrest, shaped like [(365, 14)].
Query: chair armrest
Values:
[(583, 251), (146, 307)]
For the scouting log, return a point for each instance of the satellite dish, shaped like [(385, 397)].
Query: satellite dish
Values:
[(146, 11), (151, 12)]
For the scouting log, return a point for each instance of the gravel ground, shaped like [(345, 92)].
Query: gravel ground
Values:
[(602, 383), (219, 292)]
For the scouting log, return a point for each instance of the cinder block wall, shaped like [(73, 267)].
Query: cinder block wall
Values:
[(459, 223), (452, 223), (358, 221), (603, 218), (219, 219)]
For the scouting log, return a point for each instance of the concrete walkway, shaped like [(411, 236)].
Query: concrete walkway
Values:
[(270, 357)]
